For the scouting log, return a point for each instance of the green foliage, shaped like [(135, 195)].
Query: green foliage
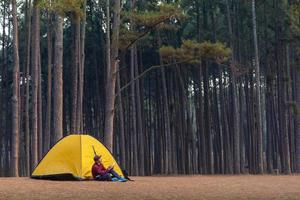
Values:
[(193, 52), (168, 27), (152, 18), (293, 14), (126, 37), (167, 52), (146, 21), (63, 6)]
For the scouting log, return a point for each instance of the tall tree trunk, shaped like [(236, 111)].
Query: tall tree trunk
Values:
[(207, 110), (15, 97), (260, 168), (49, 85), (242, 128), (167, 122), (270, 127), (81, 71), (111, 77), (200, 112), (35, 77), (228, 162), (286, 145), (74, 71), (109, 94), (122, 128), (58, 80), (290, 117), (141, 140), (297, 124), (27, 62), (167, 126), (235, 113), (135, 134), (4, 86), (133, 111), (40, 107)]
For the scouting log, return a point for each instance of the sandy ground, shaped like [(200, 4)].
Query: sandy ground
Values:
[(158, 187)]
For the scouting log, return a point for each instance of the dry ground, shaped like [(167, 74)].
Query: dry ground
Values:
[(159, 187)]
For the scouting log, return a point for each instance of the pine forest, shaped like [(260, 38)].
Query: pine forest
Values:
[(169, 86)]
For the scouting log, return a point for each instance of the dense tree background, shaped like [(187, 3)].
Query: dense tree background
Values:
[(171, 87)]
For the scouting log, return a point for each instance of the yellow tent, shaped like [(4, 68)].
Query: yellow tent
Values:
[(72, 158)]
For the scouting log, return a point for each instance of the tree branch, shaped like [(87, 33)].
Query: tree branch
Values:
[(145, 33), (146, 71)]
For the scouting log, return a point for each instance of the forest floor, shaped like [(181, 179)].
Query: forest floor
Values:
[(158, 187)]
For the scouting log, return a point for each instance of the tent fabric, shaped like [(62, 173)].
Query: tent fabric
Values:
[(72, 158)]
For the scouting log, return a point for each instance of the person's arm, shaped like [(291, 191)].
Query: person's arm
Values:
[(99, 169), (102, 169), (111, 166)]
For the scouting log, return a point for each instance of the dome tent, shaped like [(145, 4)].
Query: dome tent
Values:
[(71, 158)]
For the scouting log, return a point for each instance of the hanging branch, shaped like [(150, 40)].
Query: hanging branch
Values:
[(174, 64), (142, 35), (146, 71)]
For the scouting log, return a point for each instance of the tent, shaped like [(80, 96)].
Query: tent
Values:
[(72, 158)]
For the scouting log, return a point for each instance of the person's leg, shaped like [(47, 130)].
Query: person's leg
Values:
[(98, 178), (115, 174), (106, 177)]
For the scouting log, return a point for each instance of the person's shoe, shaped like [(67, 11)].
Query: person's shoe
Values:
[(122, 179), (114, 179)]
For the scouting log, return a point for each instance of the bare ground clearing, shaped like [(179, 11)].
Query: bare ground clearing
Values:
[(157, 187)]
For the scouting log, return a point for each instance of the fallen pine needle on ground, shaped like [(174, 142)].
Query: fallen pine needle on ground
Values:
[(196, 187)]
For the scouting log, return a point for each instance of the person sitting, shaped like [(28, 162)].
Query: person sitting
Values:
[(101, 173)]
